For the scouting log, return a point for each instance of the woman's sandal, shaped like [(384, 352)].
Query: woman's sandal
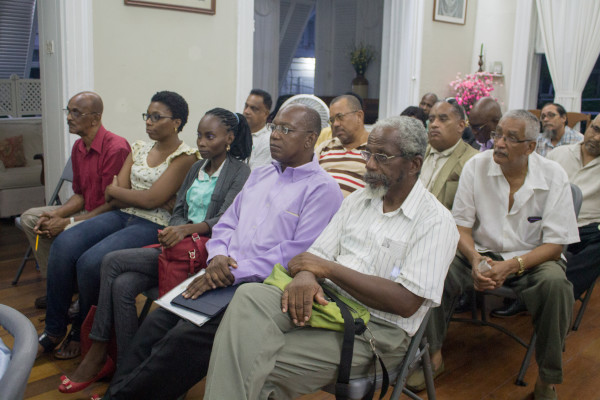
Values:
[(68, 386), (71, 337)]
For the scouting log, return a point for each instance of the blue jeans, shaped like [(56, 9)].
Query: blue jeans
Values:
[(76, 256)]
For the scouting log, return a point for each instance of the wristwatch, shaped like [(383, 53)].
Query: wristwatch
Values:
[(521, 266)]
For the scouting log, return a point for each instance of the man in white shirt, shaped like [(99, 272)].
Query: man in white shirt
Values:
[(555, 131), (388, 247), (514, 211), (256, 110), (582, 163), (447, 153)]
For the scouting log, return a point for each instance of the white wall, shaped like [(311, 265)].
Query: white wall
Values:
[(447, 50), (494, 27), (139, 51)]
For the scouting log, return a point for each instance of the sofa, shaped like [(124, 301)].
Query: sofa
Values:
[(21, 187)]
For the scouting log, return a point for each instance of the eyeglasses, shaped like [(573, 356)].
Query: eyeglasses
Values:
[(154, 117), (380, 158), (497, 136), (550, 115), (478, 127), (283, 129), (340, 117), (76, 114)]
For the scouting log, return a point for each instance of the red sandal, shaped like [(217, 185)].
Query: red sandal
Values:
[(68, 386)]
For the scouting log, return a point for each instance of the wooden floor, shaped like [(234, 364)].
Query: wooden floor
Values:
[(481, 363)]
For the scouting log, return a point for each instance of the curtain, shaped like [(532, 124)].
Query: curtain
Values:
[(571, 34)]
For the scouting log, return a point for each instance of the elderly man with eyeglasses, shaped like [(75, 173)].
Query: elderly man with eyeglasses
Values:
[(96, 158), (447, 153), (341, 156), (514, 213), (281, 210)]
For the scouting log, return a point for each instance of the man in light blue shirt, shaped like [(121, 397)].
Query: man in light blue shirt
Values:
[(555, 131)]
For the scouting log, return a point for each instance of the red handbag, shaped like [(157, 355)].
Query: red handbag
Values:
[(177, 263)]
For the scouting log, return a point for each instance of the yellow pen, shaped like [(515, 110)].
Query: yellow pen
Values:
[(37, 240)]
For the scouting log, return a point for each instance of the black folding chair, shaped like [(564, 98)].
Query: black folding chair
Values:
[(417, 356)]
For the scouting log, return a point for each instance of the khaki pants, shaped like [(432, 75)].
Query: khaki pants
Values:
[(258, 353), (29, 220), (545, 291)]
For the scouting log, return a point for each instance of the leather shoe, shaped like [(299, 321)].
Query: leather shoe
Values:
[(516, 307), (41, 302)]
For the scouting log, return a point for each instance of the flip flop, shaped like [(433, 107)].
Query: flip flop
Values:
[(71, 337)]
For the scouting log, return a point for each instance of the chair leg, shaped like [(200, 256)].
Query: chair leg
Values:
[(22, 266), (584, 304), (145, 310), (526, 361), (427, 371)]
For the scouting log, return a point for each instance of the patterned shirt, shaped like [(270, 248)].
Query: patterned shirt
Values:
[(346, 166), (143, 176), (413, 246), (544, 145)]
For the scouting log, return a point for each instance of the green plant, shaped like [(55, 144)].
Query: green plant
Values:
[(360, 57)]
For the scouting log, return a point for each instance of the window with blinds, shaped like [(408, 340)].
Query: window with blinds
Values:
[(17, 37)]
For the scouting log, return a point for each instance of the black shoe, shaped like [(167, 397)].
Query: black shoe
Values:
[(40, 302), (465, 303), (514, 308)]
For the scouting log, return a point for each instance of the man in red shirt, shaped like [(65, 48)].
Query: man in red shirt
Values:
[(96, 158)]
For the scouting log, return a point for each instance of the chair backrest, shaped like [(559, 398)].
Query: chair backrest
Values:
[(12, 384), (573, 118), (537, 113), (67, 176)]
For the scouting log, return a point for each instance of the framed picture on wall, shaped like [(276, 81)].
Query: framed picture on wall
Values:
[(452, 11), (196, 6)]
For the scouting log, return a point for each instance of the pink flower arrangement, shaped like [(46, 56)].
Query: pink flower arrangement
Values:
[(471, 88)]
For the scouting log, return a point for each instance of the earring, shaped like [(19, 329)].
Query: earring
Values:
[(175, 129), (228, 147)]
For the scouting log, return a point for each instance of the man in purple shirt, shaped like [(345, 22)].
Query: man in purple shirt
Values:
[(281, 210)]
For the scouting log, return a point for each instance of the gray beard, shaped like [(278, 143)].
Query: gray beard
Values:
[(376, 192), (549, 134)]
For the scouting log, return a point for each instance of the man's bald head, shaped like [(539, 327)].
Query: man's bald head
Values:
[(427, 102), (92, 100), (484, 117)]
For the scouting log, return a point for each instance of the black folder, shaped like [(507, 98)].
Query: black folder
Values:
[(209, 303)]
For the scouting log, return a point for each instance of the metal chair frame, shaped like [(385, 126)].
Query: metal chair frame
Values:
[(66, 176), (417, 355)]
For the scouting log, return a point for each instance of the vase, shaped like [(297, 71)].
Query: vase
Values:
[(360, 86)]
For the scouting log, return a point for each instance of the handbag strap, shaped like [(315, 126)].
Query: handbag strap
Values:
[(194, 252), (353, 327)]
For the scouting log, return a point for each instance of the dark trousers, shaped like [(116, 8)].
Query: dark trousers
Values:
[(167, 357), (583, 259)]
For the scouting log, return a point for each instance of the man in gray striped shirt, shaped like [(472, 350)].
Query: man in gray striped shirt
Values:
[(388, 247)]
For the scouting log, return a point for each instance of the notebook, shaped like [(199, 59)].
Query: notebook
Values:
[(210, 303)]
